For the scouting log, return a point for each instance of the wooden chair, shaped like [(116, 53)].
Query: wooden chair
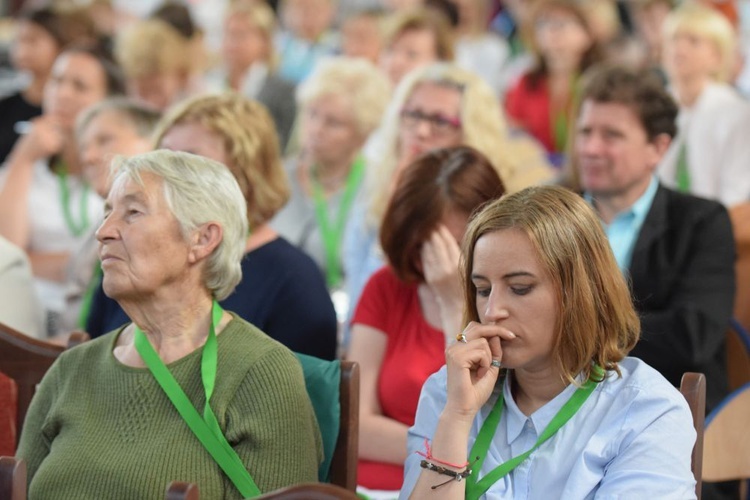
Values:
[(738, 355), (345, 455), (726, 451), (26, 360), (12, 479), (693, 388), (177, 490), (310, 491)]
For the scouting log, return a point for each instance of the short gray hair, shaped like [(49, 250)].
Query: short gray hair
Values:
[(199, 190)]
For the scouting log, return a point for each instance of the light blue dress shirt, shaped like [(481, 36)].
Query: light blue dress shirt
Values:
[(632, 438), (623, 231)]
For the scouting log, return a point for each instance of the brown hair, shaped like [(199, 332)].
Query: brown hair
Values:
[(422, 20), (251, 145), (459, 179), (592, 55), (639, 90), (597, 323)]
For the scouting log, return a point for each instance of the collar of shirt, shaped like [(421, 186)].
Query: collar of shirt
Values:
[(623, 231), (540, 419)]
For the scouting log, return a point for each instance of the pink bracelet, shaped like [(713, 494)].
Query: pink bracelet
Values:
[(429, 456)]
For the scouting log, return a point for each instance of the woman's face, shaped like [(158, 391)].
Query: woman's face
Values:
[(141, 245), (192, 137), (34, 49), (561, 39), (430, 119), (514, 291), (243, 43), (77, 81), (107, 135), (411, 50), (688, 55), (159, 90), (329, 130)]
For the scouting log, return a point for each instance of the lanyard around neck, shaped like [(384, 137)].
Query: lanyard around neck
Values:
[(333, 232), (476, 488), (207, 428), (76, 228)]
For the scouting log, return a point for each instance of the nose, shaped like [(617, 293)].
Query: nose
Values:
[(495, 311), (107, 230)]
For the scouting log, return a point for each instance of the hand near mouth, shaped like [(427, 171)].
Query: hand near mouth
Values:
[(474, 366)]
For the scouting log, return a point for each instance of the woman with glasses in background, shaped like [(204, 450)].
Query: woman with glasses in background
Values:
[(434, 107)]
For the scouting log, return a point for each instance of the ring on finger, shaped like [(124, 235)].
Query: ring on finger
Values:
[(496, 363), (461, 337)]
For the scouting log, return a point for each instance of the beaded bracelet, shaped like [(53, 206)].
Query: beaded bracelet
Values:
[(454, 475)]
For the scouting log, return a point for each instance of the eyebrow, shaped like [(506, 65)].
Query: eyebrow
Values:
[(130, 197), (514, 274)]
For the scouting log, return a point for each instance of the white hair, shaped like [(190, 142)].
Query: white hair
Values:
[(199, 190)]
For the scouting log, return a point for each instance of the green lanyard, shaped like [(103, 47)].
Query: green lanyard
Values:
[(205, 428), (476, 488), (75, 228), (332, 233), (682, 176)]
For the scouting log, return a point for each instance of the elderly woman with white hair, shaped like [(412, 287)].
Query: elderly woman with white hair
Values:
[(182, 392), (341, 104)]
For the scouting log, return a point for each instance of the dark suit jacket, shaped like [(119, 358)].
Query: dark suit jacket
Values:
[(683, 284)]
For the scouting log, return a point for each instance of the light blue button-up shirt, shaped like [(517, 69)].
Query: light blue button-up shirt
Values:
[(632, 438), (624, 229)]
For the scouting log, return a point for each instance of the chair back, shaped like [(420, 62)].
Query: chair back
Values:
[(333, 387), (345, 455), (310, 491), (738, 354), (12, 478), (8, 415), (693, 388), (178, 490), (726, 451), (25, 360)]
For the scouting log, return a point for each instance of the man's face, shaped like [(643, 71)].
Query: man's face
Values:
[(613, 154)]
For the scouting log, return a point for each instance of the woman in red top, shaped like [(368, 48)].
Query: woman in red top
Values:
[(542, 100), (411, 309)]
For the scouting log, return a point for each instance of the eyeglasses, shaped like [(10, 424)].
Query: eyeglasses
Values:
[(439, 124)]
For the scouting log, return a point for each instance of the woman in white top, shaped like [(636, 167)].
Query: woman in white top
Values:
[(708, 158), (45, 203), (537, 399)]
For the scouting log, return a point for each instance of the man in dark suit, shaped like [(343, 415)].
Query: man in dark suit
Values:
[(676, 249)]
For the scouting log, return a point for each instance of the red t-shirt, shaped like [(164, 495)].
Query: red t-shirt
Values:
[(529, 107), (414, 351)]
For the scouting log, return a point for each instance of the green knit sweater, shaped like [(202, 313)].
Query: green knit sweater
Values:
[(99, 429)]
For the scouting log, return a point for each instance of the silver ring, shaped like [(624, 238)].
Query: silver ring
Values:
[(461, 337), (496, 363)]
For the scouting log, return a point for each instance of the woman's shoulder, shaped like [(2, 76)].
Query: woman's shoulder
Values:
[(243, 344), (641, 391)]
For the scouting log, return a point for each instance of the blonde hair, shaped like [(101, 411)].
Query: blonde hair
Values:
[(251, 145), (708, 23), (261, 16), (356, 79), (519, 161), (597, 320), (422, 19), (151, 47)]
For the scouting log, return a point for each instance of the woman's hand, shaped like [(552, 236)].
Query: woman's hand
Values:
[(45, 139), (440, 256), (471, 373)]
